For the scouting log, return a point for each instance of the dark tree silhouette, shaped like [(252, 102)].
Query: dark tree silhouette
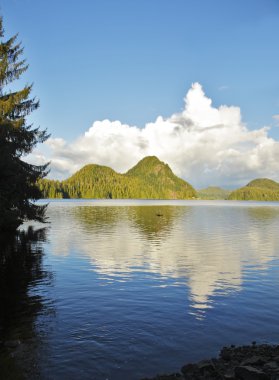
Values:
[(18, 179)]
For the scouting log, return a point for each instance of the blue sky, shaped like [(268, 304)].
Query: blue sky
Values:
[(135, 60)]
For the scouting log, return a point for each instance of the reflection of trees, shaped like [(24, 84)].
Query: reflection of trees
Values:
[(155, 221), (21, 270), (263, 214), (96, 217)]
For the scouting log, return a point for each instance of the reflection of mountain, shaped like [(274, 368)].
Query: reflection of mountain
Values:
[(20, 270), (96, 217), (206, 248), (263, 214), (155, 221)]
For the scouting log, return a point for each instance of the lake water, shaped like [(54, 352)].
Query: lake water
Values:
[(128, 289)]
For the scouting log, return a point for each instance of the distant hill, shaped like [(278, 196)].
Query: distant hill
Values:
[(213, 192), (264, 183), (261, 189), (149, 179)]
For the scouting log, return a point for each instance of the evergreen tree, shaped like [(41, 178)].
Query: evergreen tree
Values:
[(17, 178)]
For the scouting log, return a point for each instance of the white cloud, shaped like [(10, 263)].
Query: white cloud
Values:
[(203, 144)]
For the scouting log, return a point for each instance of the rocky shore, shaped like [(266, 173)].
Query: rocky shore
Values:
[(253, 362)]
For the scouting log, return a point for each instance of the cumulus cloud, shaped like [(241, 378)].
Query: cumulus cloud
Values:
[(202, 144)]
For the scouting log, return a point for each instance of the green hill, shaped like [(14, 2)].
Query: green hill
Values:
[(158, 179), (264, 183), (261, 189), (213, 192), (149, 179)]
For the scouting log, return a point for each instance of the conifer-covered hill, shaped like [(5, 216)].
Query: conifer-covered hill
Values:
[(158, 178), (260, 189), (94, 181), (264, 183), (213, 192), (149, 179), (150, 166)]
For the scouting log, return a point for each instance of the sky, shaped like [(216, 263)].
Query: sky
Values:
[(194, 82)]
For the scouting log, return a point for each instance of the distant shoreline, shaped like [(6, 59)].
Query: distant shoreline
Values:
[(161, 202), (150, 178)]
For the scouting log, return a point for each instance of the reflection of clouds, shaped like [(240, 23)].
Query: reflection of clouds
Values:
[(63, 229), (203, 259), (207, 248)]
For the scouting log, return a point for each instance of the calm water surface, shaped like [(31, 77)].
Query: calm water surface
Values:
[(127, 289)]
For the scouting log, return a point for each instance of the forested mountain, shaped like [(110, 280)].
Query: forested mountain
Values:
[(213, 192), (264, 183), (149, 179), (157, 179), (261, 189)]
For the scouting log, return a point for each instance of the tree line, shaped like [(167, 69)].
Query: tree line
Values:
[(149, 179)]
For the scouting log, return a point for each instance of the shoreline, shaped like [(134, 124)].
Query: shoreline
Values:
[(251, 362)]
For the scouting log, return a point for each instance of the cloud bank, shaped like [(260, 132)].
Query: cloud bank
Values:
[(202, 144)]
